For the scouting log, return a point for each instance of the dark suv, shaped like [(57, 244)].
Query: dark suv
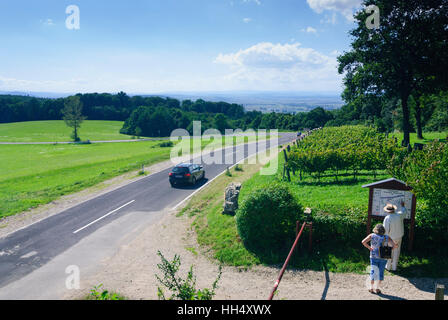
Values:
[(186, 173)]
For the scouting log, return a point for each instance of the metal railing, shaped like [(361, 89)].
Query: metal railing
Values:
[(282, 271)]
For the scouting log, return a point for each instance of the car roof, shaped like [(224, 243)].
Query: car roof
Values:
[(184, 165)]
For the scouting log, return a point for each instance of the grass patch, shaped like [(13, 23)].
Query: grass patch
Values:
[(32, 175), (428, 137), (57, 131)]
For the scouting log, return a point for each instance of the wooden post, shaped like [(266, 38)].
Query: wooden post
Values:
[(286, 161), (310, 239), (440, 292), (284, 168)]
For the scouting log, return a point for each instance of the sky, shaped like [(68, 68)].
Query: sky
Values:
[(155, 46)]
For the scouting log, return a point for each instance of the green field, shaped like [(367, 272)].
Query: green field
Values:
[(57, 131), (31, 175), (428, 137)]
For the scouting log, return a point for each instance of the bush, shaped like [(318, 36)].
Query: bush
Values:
[(182, 289), (97, 293), (343, 224), (266, 220), (426, 171), (168, 144)]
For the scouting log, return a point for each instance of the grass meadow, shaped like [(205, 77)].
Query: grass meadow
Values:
[(57, 131), (428, 137), (31, 175)]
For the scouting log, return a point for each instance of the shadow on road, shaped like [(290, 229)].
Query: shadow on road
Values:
[(198, 184), (327, 282)]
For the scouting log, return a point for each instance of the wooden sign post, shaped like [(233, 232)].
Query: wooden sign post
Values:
[(391, 191)]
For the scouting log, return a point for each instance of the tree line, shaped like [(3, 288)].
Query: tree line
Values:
[(158, 116)]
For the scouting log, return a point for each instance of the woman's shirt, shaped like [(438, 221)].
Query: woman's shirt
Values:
[(375, 242)]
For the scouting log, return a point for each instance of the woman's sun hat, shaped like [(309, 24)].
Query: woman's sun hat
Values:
[(390, 208)]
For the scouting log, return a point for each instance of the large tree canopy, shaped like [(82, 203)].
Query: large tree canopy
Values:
[(405, 52)]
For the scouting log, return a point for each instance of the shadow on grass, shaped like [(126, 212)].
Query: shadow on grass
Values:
[(347, 182)]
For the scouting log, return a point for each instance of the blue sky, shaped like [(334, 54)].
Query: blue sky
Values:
[(152, 46)]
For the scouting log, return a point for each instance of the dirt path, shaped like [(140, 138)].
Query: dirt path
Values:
[(131, 272)]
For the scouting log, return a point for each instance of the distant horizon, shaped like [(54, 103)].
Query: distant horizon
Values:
[(303, 94)]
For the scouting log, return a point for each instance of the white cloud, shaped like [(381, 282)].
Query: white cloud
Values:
[(258, 2), (47, 22), (329, 19), (247, 20), (309, 30), (281, 67), (345, 7)]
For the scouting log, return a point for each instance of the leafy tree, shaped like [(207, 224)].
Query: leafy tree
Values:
[(408, 48), (72, 115)]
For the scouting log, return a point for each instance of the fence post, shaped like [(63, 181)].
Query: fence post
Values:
[(440, 291)]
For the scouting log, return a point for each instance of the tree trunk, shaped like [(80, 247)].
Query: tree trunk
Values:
[(76, 133), (406, 122), (418, 118)]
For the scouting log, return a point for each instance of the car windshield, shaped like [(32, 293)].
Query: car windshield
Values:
[(180, 169)]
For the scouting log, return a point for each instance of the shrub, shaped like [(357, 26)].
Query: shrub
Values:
[(97, 293), (343, 224), (182, 289), (266, 220), (167, 144), (426, 171)]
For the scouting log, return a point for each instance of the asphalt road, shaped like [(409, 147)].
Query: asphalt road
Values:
[(31, 248)]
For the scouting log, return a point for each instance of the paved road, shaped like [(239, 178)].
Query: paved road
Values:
[(31, 248)]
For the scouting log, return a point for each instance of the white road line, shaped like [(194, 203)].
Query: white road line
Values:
[(28, 255), (103, 216)]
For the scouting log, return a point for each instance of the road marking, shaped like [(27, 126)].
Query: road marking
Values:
[(28, 255), (103, 216)]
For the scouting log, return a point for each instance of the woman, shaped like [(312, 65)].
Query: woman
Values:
[(377, 265)]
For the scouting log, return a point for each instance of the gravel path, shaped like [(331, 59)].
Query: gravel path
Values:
[(131, 272)]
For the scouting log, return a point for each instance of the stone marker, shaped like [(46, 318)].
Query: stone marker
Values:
[(231, 198)]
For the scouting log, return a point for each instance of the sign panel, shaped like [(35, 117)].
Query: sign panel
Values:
[(381, 197)]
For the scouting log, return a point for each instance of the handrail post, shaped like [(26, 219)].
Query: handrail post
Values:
[(282, 271)]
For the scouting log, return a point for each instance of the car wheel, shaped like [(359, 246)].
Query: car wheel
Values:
[(203, 176), (193, 181), (172, 185)]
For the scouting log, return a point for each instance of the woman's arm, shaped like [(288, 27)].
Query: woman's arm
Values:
[(367, 239), (392, 243)]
